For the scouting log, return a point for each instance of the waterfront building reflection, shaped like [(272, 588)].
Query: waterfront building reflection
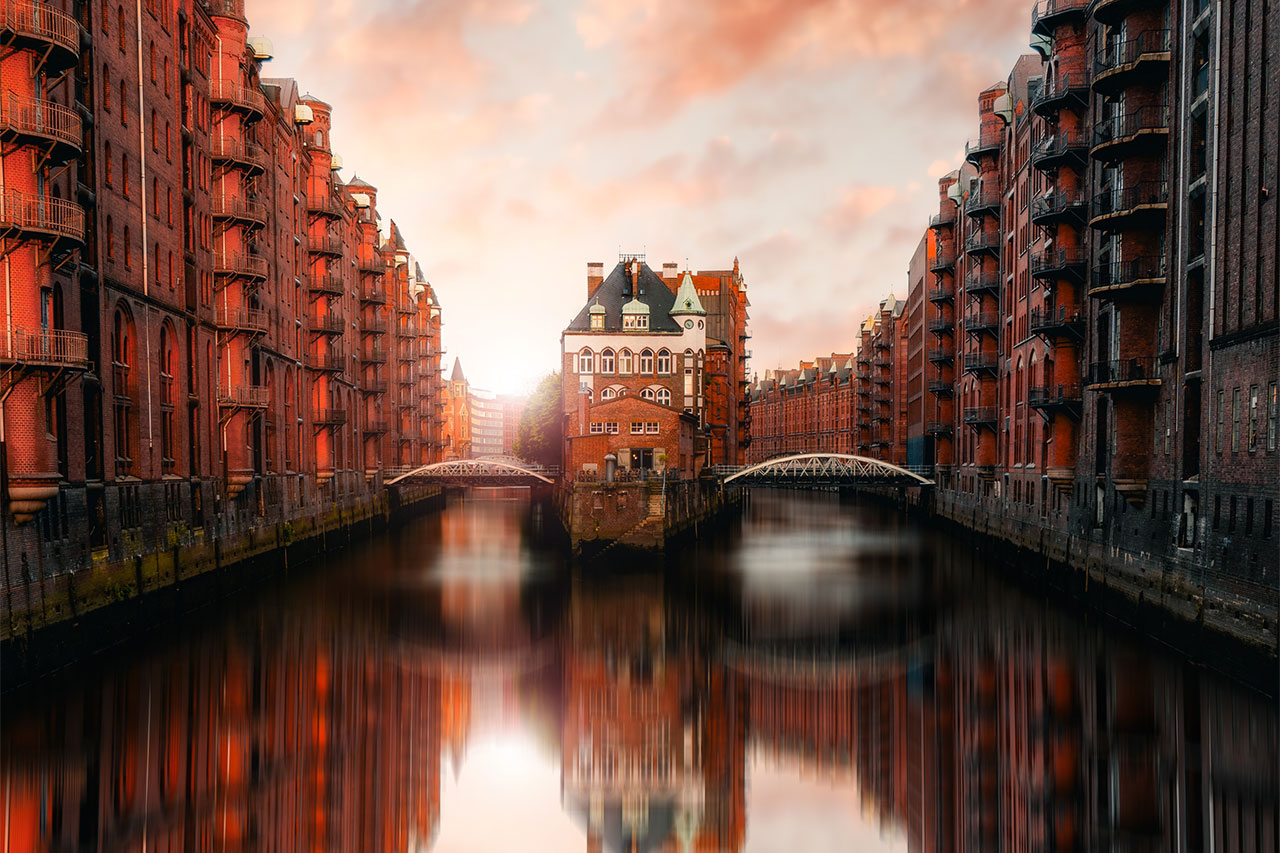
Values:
[(938, 703)]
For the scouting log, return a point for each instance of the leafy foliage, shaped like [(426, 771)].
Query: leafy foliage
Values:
[(540, 435)]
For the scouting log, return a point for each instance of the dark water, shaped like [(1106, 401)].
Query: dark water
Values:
[(825, 677)]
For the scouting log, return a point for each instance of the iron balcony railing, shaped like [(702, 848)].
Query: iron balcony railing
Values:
[(373, 426), (1151, 119), (326, 361), (229, 206), (988, 142), (982, 281), (52, 217), (41, 22), (226, 8), (1057, 91), (372, 266), (938, 428), (1046, 12), (1052, 261), (373, 294), (226, 92), (325, 205), (980, 203), (1049, 396), (943, 260), (1153, 195), (329, 417), (374, 386), (978, 415), (235, 151), (941, 294), (242, 396), (1146, 270), (1135, 369), (328, 282), (43, 119), (981, 322), (239, 264), (376, 326), (943, 219), (332, 324), (941, 324), (242, 319), (374, 355), (1053, 318), (982, 241), (326, 245), (978, 361), (941, 387), (941, 354), (1058, 203), (1112, 56), (45, 348), (1060, 146)]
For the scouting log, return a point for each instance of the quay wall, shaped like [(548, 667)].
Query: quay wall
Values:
[(639, 515)]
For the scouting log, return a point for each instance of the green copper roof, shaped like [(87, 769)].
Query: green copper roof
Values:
[(635, 306), (687, 301)]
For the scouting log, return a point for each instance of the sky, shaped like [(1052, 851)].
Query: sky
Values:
[(515, 141)]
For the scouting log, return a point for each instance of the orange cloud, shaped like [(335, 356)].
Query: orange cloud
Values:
[(858, 204)]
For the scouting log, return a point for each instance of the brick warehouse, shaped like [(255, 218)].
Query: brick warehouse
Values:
[(207, 329), (1101, 306)]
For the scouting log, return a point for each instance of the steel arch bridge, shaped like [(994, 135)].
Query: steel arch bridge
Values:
[(823, 469), (478, 472)]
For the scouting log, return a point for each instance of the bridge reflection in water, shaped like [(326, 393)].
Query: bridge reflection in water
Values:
[(455, 685)]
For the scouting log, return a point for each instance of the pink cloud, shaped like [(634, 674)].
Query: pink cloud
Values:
[(857, 205)]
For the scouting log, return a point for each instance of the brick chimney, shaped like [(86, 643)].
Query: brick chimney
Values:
[(595, 277), (671, 277)]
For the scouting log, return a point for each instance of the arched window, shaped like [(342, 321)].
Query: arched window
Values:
[(123, 358), (120, 26), (664, 396), (625, 361), (608, 394), (110, 166), (124, 104), (106, 82), (111, 239), (647, 394), (586, 361), (646, 361), (168, 394), (128, 250), (606, 361), (664, 361)]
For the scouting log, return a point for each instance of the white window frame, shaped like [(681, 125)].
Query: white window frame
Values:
[(607, 361), (626, 362), (650, 427), (586, 361), (637, 427), (646, 362), (597, 428), (664, 355), (663, 397), (608, 394), (647, 394), (611, 428)]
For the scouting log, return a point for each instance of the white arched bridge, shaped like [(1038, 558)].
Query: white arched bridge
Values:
[(479, 472), (823, 469)]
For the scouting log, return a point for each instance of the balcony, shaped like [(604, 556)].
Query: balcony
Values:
[(943, 261), (45, 348), (987, 144), (941, 387), (329, 417), (371, 266), (240, 265), (981, 282), (40, 27), (982, 323), (1140, 129), (981, 362), (373, 294), (1056, 398), (983, 241), (233, 96), (1064, 148), (941, 325), (324, 205), (375, 326), (1144, 57), (1059, 263), (939, 295), (327, 324), (234, 208), (1127, 373), (1047, 14), (326, 245), (34, 120), (48, 220), (1139, 279), (374, 386), (982, 204), (249, 158), (405, 305), (942, 355), (1115, 209), (375, 426), (1067, 90), (945, 219), (980, 416), (937, 428), (374, 355), (1058, 205), (326, 362), (1054, 321), (330, 283), (242, 396), (249, 320)]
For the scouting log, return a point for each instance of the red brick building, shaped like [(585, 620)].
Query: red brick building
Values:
[(209, 329)]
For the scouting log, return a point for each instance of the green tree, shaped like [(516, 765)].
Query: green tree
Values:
[(540, 436)]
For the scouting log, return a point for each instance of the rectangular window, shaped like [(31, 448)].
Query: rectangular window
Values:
[(1253, 418), (651, 427), (1218, 441), (637, 427), (597, 428), (611, 428), (1235, 421)]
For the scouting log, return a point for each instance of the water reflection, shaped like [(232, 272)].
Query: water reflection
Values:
[(827, 677)]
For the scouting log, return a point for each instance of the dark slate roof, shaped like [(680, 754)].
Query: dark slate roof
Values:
[(357, 181), (615, 292), (457, 371)]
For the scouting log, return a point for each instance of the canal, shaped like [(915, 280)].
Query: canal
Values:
[(825, 675)]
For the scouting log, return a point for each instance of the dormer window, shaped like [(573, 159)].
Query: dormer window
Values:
[(597, 322), (637, 322)]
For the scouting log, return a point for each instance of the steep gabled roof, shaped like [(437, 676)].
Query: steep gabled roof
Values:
[(457, 375), (615, 291), (359, 183)]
